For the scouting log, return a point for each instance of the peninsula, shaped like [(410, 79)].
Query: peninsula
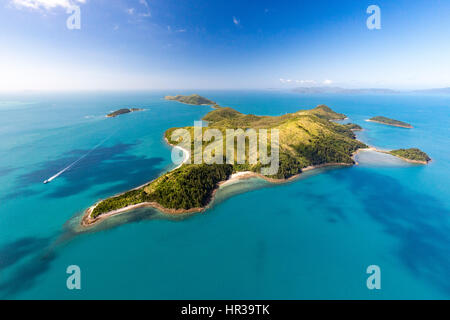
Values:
[(412, 155), (122, 111), (390, 122), (193, 99), (308, 139)]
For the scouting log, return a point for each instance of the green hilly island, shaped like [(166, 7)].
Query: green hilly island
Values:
[(193, 99), (390, 122), (122, 111), (307, 138)]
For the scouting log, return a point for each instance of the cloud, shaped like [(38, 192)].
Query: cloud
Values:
[(327, 82), (236, 21), (46, 4), (285, 80), (305, 81)]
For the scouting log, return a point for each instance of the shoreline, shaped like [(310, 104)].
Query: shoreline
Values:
[(87, 221), (389, 153), (392, 125)]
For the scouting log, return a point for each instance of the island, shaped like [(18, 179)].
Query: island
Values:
[(390, 122), (339, 90), (412, 155), (308, 139), (193, 99), (122, 111)]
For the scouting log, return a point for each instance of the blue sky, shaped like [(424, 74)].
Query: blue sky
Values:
[(174, 44)]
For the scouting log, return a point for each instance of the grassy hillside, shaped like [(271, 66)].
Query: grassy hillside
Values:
[(353, 126), (306, 137), (193, 99)]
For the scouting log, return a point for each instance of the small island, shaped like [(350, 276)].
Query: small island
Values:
[(412, 155), (308, 139), (390, 122), (193, 99), (122, 111)]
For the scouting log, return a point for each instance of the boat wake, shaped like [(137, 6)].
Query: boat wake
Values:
[(75, 162)]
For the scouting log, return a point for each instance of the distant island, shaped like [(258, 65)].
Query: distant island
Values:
[(122, 111), (308, 139), (434, 91), (390, 122), (412, 155), (339, 90), (193, 99)]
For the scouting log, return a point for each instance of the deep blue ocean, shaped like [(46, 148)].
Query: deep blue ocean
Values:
[(312, 238)]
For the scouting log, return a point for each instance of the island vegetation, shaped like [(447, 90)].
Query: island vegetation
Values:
[(193, 99), (307, 139), (412, 154), (390, 122), (123, 111), (187, 187)]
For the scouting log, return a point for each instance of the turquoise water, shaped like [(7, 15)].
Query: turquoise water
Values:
[(311, 238)]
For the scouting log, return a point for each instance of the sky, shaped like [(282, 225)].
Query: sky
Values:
[(223, 44)]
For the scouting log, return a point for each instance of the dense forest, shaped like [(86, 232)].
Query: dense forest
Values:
[(187, 187)]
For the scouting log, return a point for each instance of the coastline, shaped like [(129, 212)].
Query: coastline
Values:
[(388, 152), (87, 221), (392, 125)]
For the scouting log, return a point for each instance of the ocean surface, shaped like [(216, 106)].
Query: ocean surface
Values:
[(312, 238)]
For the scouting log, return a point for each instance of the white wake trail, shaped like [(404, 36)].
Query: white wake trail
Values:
[(75, 162)]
